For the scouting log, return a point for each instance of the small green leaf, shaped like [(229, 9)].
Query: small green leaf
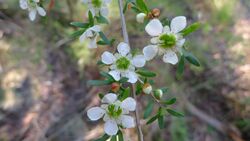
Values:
[(142, 6), (91, 19), (99, 82), (152, 119), (164, 90), (145, 73), (99, 62), (124, 94), (174, 113), (101, 19), (103, 138), (193, 27), (101, 95), (170, 101), (105, 40), (138, 88), (123, 80), (120, 135), (77, 33), (180, 67), (108, 76), (191, 58), (148, 110), (161, 122), (113, 138), (80, 24), (125, 7)]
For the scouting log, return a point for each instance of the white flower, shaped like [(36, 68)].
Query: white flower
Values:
[(33, 7), (91, 35), (123, 64), (98, 6), (114, 113), (140, 17), (165, 40)]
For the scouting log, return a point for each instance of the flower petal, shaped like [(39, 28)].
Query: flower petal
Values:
[(127, 121), (82, 37), (115, 74), (170, 57), (92, 43), (109, 98), (23, 4), (108, 58), (129, 104), (150, 52), (96, 28), (154, 27), (123, 48), (180, 43), (41, 11), (139, 61), (104, 11), (178, 24), (110, 127), (32, 15), (95, 113), (131, 75)]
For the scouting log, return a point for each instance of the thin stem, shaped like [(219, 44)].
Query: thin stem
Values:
[(126, 39)]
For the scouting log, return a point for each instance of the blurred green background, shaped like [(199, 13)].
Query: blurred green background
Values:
[(43, 73)]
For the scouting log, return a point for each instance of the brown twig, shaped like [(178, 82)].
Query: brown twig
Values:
[(126, 39)]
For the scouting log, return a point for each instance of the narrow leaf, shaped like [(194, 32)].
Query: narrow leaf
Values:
[(170, 101), (174, 113), (146, 73), (91, 19), (113, 138), (148, 110), (98, 82), (103, 138), (191, 59), (193, 27), (161, 122), (142, 6), (120, 135), (108, 76), (77, 33), (123, 80), (152, 119), (80, 24), (101, 19), (180, 67)]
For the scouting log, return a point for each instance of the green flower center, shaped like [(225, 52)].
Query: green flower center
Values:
[(114, 111), (122, 63), (31, 3), (97, 3), (167, 41)]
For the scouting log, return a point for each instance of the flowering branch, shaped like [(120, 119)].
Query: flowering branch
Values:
[(126, 39)]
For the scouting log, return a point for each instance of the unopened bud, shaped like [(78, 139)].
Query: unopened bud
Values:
[(140, 17), (147, 88), (158, 94), (115, 87), (129, 6), (156, 12)]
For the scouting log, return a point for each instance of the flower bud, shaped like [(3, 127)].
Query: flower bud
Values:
[(115, 87), (147, 88), (140, 17), (158, 94), (156, 12)]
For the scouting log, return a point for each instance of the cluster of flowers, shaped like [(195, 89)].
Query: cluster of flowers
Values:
[(165, 41)]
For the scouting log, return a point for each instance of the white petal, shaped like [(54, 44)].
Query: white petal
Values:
[(170, 57), (123, 48), (108, 58), (110, 127), (96, 28), (154, 27), (178, 24), (132, 76), (166, 29), (23, 4), (150, 52), (106, 117), (127, 121), (140, 17), (41, 11), (95, 113), (104, 11), (129, 104), (32, 15), (109, 98), (180, 43), (92, 43), (154, 40), (139, 61), (82, 37), (115, 74)]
